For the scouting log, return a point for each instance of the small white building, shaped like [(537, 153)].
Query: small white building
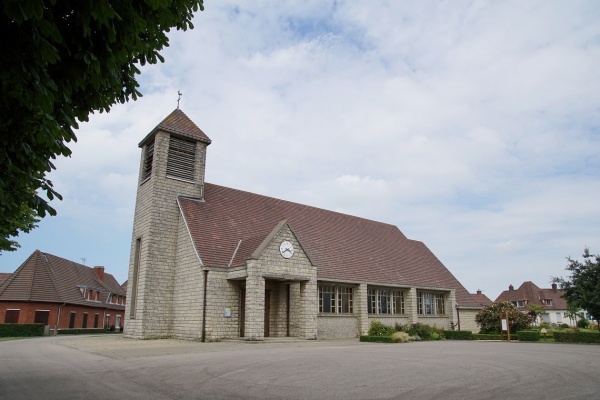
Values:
[(551, 299)]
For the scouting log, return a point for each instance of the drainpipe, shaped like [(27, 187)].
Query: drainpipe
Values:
[(58, 319), (204, 306)]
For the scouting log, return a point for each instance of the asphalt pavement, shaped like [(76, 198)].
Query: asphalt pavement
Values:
[(110, 366)]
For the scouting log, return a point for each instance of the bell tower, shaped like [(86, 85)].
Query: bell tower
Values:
[(172, 164)]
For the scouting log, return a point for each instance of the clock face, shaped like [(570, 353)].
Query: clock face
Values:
[(286, 249)]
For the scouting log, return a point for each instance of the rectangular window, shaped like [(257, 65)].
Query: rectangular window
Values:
[(11, 317), (41, 317), (558, 317), (518, 303), (429, 303), (96, 317), (84, 322), (335, 299), (134, 283), (385, 301), (72, 320), (548, 302), (181, 159), (148, 158)]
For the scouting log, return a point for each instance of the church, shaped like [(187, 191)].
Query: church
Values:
[(210, 262)]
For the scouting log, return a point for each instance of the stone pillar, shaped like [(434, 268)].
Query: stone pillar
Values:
[(254, 325), (411, 306), (450, 299), (360, 308), (310, 308), (295, 309)]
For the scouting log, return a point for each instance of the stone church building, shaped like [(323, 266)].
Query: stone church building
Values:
[(210, 262)]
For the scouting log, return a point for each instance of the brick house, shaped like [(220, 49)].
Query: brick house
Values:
[(210, 262), (61, 293), (550, 298)]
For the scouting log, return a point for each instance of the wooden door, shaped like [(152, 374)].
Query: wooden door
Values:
[(267, 312), (242, 318)]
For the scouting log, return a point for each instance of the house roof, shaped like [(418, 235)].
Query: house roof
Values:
[(530, 292), (341, 246), (44, 277), (4, 276), (179, 124)]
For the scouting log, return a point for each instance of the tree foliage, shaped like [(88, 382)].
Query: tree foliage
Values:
[(489, 318), (62, 60), (535, 310), (582, 288)]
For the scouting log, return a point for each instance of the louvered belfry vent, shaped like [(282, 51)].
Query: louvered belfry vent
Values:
[(149, 156), (181, 160)]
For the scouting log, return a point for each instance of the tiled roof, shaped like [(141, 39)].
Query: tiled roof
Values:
[(4, 276), (530, 292), (341, 246), (47, 278), (180, 124)]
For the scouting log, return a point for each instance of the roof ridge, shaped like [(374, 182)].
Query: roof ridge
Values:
[(51, 274)]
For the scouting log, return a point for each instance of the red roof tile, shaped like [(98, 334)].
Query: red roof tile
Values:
[(179, 124), (530, 292), (340, 245), (47, 278)]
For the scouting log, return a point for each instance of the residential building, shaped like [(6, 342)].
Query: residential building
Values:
[(61, 294), (211, 262), (551, 299)]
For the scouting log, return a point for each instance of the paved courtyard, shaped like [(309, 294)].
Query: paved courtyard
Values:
[(110, 366)]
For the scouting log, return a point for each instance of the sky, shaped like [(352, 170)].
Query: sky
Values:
[(473, 126)]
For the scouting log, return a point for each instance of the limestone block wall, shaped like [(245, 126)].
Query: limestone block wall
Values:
[(337, 326), (156, 223), (189, 283), (222, 294), (467, 320)]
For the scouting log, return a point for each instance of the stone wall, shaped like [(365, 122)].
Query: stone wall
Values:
[(467, 320), (156, 223), (337, 326), (188, 295)]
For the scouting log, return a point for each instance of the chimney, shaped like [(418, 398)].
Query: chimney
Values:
[(478, 291), (554, 287), (100, 272), (511, 287)]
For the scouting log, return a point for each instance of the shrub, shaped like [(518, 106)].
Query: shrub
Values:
[(487, 336), (82, 331), (459, 335), (577, 337), (379, 329), (489, 318), (424, 331), (400, 337), (377, 339), (545, 325), (21, 330), (564, 326), (583, 323), (528, 336)]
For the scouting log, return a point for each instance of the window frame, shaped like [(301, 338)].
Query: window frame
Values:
[(431, 303), (385, 301), (335, 299)]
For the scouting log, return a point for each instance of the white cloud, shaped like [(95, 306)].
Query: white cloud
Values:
[(470, 125)]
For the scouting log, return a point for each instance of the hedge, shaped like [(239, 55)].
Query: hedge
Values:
[(529, 336), (82, 331), (495, 336), (21, 330), (459, 335), (577, 337), (377, 339)]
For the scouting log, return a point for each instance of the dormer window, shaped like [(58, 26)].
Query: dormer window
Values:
[(181, 159), (548, 302)]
